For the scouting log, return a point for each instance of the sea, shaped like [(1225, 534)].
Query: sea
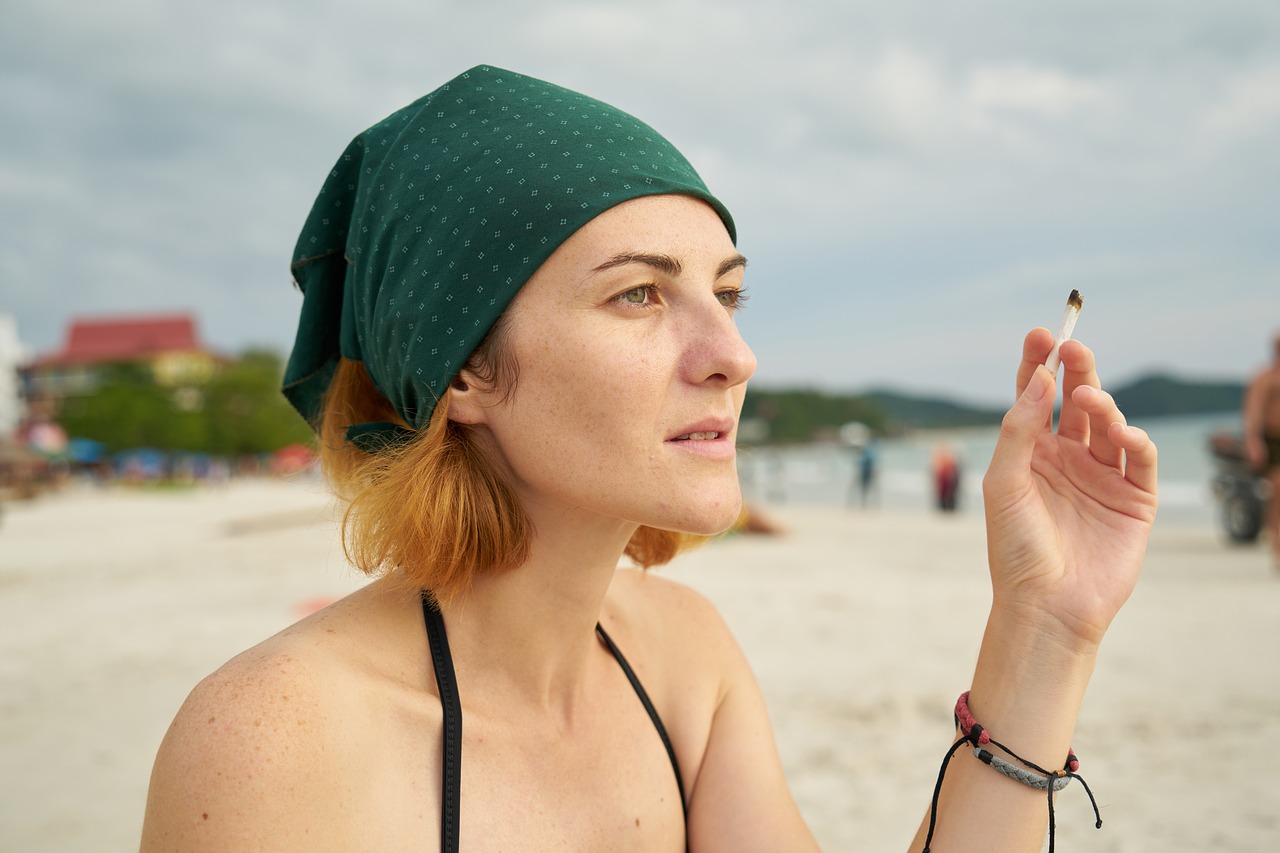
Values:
[(826, 474)]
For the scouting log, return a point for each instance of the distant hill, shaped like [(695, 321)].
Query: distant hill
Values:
[(802, 415), (904, 411), (1165, 395), (1149, 396)]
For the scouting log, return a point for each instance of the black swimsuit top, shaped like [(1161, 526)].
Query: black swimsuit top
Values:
[(447, 683)]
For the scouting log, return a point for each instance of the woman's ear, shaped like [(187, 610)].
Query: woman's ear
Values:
[(468, 399)]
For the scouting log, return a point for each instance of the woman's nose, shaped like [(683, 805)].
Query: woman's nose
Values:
[(716, 351)]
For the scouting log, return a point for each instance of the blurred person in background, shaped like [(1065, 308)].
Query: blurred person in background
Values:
[(1262, 438)]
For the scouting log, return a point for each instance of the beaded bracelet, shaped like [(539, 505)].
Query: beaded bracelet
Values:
[(974, 734)]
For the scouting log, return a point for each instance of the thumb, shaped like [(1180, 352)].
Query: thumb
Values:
[(1022, 425)]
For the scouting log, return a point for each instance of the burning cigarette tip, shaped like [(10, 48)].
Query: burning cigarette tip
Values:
[(1075, 300)]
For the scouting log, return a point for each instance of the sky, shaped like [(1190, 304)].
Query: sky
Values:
[(916, 184)]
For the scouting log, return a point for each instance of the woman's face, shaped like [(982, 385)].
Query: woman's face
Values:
[(631, 373)]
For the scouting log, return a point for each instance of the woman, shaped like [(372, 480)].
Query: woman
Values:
[(518, 344)]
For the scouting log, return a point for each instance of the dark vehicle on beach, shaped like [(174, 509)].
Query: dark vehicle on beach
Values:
[(1241, 490)]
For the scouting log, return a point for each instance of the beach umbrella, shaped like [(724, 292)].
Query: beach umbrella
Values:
[(86, 451)]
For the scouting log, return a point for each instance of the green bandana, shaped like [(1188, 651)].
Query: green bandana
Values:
[(433, 220)]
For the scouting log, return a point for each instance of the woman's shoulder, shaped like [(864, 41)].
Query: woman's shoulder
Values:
[(305, 675), (314, 674), (683, 646), (290, 676), (660, 608), (258, 744), (239, 760)]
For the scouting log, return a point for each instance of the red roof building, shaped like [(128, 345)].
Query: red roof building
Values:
[(167, 344), (127, 339)]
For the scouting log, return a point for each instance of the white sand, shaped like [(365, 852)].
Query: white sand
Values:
[(862, 629)]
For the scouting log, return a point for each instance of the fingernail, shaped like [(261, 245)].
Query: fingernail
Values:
[(1037, 387)]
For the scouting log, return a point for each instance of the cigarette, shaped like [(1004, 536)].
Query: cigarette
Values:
[(1074, 303)]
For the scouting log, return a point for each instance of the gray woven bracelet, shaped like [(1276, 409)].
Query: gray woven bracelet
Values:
[(1018, 774)]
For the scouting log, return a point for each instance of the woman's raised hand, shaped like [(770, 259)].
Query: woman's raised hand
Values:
[(1068, 513)]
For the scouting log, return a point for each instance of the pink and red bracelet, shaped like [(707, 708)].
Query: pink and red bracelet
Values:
[(1032, 775)]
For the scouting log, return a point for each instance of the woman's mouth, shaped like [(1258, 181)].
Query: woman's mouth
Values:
[(697, 436)]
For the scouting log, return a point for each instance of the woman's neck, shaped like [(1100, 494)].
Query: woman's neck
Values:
[(529, 633)]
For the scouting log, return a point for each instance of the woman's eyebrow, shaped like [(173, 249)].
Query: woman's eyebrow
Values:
[(662, 263), (731, 264), (665, 263)]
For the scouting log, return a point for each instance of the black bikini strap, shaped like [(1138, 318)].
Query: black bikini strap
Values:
[(648, 706), (451, 767)]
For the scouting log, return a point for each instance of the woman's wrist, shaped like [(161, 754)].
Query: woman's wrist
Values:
[(1029, 683), (1034, 647), (1026, 693), (1045, 632)]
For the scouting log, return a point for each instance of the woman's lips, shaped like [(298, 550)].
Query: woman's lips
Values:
[(697, 436)]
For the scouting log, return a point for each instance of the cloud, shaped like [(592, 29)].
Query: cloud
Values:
[(1246, 109), (1021, 89), (877, 156)]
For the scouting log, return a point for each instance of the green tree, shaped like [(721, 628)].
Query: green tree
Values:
[(797, 416), (246, 413), (130, 410), (239, 411)]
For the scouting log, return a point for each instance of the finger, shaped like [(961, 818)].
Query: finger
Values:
[(1140, 455), (1022, 425), (1079, 368), (1100, 410), (1035, 349)]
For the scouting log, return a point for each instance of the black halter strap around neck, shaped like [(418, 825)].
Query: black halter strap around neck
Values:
[(451, 766), (447, 684)]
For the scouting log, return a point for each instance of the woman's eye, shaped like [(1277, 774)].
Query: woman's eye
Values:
[(636, 295), (733, 298)]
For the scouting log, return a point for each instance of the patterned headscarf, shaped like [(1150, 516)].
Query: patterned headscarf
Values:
[(433, 219)]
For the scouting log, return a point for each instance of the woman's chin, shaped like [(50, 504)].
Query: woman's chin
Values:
[(712, 520)]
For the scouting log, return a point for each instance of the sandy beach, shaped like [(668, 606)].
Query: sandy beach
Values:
[(862, 627)]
